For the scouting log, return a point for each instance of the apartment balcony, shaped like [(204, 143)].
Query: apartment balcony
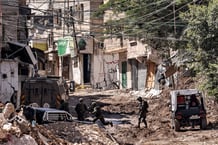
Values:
[(135, 49), (138, 50)]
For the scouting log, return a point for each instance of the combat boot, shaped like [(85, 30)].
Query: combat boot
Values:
[(138, 125)]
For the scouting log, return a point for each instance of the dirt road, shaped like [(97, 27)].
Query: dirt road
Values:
[(121, 108)]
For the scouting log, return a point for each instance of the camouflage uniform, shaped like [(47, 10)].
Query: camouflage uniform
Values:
[(81, 109), (143, 109), (64, 106), (98, 115), (92, 106)]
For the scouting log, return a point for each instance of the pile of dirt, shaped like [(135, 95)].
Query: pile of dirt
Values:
[(159, 121), (80, 133), (121, 108), (158, 118)]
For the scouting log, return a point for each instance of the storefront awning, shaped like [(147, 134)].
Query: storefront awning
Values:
[(21, 51)]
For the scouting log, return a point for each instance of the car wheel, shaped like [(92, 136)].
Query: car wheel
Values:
[(203, 124), (177, 125)]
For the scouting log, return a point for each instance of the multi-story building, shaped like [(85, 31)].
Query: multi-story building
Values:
[(72, 39), (16, 57), (60, 28), (137, 62)]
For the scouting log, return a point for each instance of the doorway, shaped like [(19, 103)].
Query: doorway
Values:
[(86, 68), (124, 75)]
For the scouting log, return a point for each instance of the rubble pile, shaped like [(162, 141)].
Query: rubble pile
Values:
[(122, 109), (159, 121), (15, 129), (81, 133)]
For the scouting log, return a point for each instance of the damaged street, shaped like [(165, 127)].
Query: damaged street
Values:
[(121, 108), (108, 72)]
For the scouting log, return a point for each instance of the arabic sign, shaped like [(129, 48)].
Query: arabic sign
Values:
[(66, 47), (86, 44)]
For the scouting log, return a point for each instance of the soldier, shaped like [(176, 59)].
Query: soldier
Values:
[(81, 109), (143, 109), (98, 115), (64, 106), (92, 106)]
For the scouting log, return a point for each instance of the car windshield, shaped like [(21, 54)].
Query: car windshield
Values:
[(194, 101)]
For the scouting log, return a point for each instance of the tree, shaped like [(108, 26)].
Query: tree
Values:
[(157, 21), (202, 33), (191, 25)]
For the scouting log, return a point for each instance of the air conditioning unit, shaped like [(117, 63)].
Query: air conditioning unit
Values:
[(132, 43)]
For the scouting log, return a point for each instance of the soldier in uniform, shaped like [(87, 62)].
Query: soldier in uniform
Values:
[(143, 109), (81, 109), (64, 106), (92, 106), (98, 115)]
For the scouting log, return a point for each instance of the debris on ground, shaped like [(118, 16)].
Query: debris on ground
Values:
[(121, 108)]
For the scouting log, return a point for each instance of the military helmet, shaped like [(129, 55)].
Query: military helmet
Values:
[(80, 99), (139, 98)]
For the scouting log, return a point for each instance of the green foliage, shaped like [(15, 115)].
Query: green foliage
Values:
[(202, 33), (195, 21), (149, 19)]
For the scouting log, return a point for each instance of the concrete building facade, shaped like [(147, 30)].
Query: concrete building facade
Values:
[(15, 62), (54, 20), (126, 62), (137, 61)]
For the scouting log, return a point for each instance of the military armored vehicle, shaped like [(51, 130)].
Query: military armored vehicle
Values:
[(46, 91), (188, 109)]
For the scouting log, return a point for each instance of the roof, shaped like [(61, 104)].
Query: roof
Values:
[(184, 92), (23, 52)]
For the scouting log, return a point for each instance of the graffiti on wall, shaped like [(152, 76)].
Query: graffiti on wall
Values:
[(109, 75)]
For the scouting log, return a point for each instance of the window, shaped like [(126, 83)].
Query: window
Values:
[(81, 12), (50, 39), (71, 11), (77, 13), (75, 62), (3, 32), (43, 21), (58, 17)]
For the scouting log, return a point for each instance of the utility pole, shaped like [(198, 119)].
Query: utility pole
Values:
[(74, 41), (68, 15), (74, 30), (174, 18)]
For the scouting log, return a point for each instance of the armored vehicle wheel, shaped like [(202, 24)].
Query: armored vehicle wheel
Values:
[(177, 125), (203, 124)]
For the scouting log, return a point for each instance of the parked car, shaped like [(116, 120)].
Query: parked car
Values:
[(188, 109), (46, 115)]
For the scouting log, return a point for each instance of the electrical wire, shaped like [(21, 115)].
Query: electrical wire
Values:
[(171, 13), (43, 11), (155, 12), (14, 25), (147, 15)]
